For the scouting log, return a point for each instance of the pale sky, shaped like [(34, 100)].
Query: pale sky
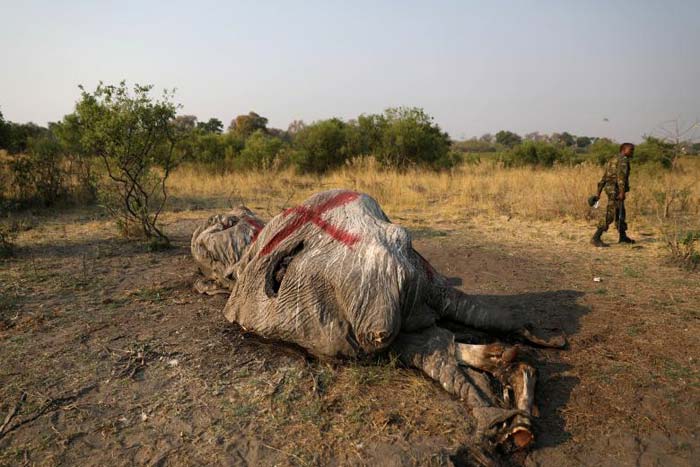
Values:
[(476, 67)]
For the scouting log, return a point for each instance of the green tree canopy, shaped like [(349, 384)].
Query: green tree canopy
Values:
[(246, 125), (132, 133), (508, 138), (213, 125)]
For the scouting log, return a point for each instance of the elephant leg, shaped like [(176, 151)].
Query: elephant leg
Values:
[(433, 351), (519, 379), (489, 357)]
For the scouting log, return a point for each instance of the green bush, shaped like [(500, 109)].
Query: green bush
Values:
[(602, 150), (364, 135), (409, 137), (260, 151), (474, 145), (655, 150), (508, 138), (539, 153), (246, 125), (135, 136), (39, 175), (320, 147), (216, 149)]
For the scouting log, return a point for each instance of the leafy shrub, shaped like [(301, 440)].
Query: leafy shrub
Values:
[(474, 145), (410, 137), (39, 176), (46, 172), (364, 135), (508, 138), (134, 137), (602, 150), (655, 150), (685, 249), (538, 153), (246, 125), (15, 137), (260, 150), (471, 159), (320, 146)]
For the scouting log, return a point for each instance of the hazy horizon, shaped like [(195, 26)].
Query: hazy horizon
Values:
[(521, 66)]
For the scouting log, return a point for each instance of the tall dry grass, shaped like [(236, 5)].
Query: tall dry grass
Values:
[(482, 189)]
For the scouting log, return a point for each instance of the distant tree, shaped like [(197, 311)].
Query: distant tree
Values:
[(656, 150), (676, 133), (68, 133), (278, 133), (46, 172), (538, 153), (4, 132), (18, 135), (261, 150), (185, 123), (583, 142), (487, 138), (474, 145), (295, 127), (565, 139), (364, 135), (508, 138), (602, 149), (320, 146), (410, 136), (246, 125), (133, 134), (213, 125)]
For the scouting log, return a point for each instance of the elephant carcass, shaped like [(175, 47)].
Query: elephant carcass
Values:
[(219, 243), (337, 278)]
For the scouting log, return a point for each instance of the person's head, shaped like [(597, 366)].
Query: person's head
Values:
[(627, 149)]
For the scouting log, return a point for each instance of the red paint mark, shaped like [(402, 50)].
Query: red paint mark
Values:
[(306, 214), (256, 225)]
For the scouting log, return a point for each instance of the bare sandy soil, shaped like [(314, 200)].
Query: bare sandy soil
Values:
[(109, 358)]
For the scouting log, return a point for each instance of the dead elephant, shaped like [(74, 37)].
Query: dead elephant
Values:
[(337, 278)]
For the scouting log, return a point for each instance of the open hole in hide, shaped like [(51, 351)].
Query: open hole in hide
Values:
[(276, 274)]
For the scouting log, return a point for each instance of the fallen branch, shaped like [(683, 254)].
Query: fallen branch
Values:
[(13, 411), (50, 406)]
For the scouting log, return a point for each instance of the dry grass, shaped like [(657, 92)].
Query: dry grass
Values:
[(469, 190)]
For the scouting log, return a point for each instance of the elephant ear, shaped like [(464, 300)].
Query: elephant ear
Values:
[(219, 243)]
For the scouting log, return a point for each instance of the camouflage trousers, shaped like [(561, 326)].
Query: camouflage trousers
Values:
[(614, 212)]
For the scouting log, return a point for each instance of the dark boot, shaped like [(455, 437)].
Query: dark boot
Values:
[(596, 240), (624, 238)]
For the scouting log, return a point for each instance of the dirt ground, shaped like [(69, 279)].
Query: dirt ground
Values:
[(109, 358)]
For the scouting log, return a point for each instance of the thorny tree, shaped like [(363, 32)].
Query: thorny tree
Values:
[(133, 134)]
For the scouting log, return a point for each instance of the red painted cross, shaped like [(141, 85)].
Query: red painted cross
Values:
[(306, 214)]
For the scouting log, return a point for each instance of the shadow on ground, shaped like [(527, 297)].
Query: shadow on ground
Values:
[(550, 312)]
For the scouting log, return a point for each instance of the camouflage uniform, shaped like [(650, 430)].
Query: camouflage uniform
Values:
[(615, 181)]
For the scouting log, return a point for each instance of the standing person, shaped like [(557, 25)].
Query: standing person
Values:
[(616, 184)]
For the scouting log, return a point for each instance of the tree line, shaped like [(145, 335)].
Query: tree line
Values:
[(539, 149), (120, 144)]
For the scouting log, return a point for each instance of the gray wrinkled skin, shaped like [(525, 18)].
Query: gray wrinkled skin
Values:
[(337, 278), (219, 243)]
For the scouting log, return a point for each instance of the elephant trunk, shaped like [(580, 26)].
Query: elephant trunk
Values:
[(468, 310)]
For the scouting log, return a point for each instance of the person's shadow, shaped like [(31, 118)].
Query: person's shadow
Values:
[(549, 312)]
